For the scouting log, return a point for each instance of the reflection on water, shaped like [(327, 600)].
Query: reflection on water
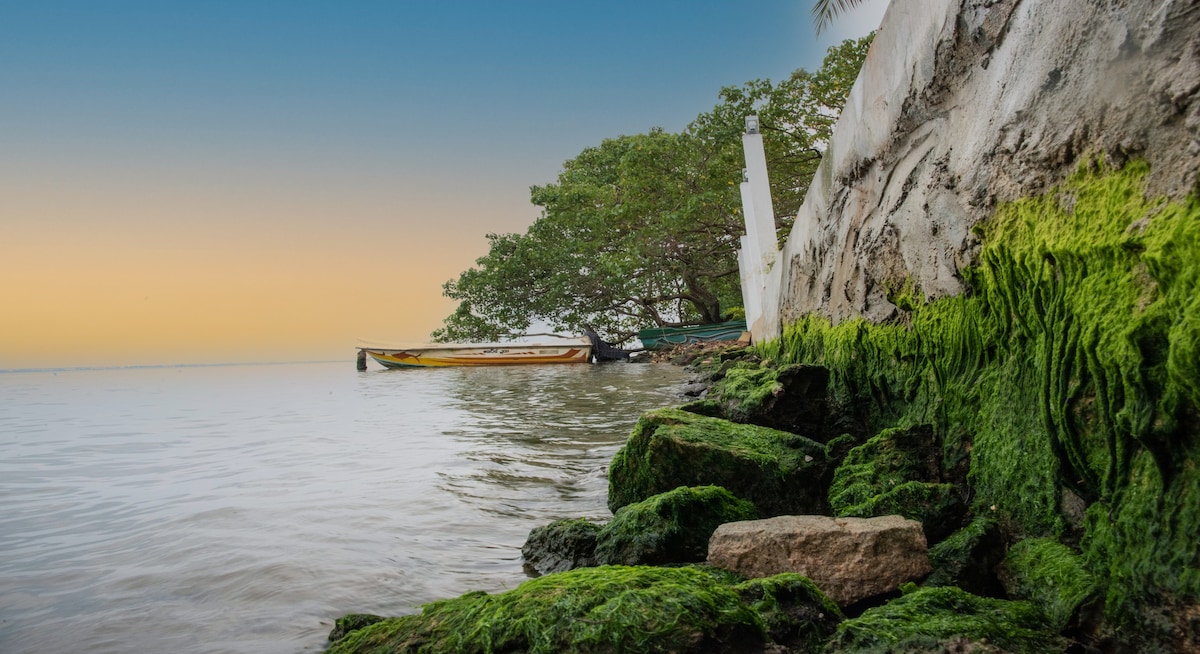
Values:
[(242, 508)]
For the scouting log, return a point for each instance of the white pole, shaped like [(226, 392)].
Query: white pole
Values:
[(762, 227), (759, 250)]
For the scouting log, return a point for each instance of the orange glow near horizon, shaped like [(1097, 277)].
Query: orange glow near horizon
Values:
[(164, 282)]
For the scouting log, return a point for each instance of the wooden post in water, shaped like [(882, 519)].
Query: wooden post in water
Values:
[(362, 359)]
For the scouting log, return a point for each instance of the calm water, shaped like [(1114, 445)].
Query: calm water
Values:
[(243, 508)]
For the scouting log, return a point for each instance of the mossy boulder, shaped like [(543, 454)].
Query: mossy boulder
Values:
[(795, 613), (672, 527), (561, 545), (948, 619), (790, 398), (779, 472), (348, 624), (605, 609), (968, 558), (1052, 575), (898, 472)]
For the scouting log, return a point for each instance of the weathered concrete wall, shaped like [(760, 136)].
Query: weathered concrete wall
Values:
[(963, 104)]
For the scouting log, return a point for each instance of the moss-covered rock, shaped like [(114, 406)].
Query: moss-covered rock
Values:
[(348, 624), (790, 398), (1051, 575), (778, 472), (605, 609), (898, 472), (672, 527), (968, 558), (948, 619), (891, 457), (561, 545), (796, 614)]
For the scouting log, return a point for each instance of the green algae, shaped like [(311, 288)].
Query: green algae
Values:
[(605, 609), (1051, 575), (672, 527), (795, 613), (746, 388), (932, 619), (561, 545), (967, 558), (1071, 364), (777, 471), (348, 624), (898, 472), (792, 398), (891, 457)]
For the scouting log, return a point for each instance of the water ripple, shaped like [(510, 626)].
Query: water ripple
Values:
[(241, 509)]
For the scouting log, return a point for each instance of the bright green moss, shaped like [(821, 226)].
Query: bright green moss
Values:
[(794, 611), (777, 471), (898, 472), (1073, 362), (672, 527), (929, 619), (348, 624), (891, 457), (1051, 575), (606, 609), (745, 389)]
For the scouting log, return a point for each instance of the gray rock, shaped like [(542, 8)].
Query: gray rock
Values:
[(560, 546), (850, 559)]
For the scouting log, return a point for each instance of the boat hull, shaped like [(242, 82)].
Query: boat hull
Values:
[(496, 354), (663, 338)]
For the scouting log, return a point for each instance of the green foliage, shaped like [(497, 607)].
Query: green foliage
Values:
[(672, 527), (1051, 575), (777, 471), (1071, 364), (643, 230), (933, 619), (606, 609), (824, 11)]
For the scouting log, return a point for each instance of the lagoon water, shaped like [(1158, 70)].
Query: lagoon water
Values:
[(244, 508)]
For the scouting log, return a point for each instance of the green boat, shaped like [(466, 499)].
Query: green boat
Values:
[(662, 338)]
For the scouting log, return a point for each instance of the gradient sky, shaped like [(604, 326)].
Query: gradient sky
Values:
[(220, 181)]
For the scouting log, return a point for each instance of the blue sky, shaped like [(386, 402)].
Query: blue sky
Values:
[(304, 135)]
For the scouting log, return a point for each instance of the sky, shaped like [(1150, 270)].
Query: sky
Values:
[(252, 180)]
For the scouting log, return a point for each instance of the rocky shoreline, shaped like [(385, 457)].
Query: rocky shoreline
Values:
[(1011, 470)]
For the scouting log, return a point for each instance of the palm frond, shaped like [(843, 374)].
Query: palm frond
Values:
[(824, 11)]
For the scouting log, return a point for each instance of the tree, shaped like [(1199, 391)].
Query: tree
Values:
[(643, 230)]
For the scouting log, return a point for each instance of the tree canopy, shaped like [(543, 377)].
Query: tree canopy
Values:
[(643, 230)]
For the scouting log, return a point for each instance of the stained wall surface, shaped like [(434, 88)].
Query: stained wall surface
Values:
[(964, 104)]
